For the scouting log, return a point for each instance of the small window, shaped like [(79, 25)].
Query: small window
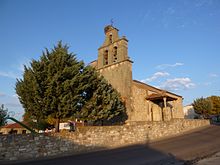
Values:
[(110, 38), (105, 58), (115, 52), (24, 131)]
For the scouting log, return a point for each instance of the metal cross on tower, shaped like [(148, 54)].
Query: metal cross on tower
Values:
[(111, 22)]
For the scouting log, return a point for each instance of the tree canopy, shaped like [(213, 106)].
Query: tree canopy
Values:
[(41, 124), (104, 106), (215, 100), (60, 86), (3, 114), (207, 106)]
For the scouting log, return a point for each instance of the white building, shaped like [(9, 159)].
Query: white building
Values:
[(64, 126), (189, 112)]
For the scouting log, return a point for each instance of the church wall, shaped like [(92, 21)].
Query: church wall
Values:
[(116, 67), (141, 110), (119, 76), (122, 53), (167, 113), (157, 112), (146, 110), (178, 109)]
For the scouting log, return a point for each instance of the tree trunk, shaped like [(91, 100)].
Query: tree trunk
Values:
[(57, 125)]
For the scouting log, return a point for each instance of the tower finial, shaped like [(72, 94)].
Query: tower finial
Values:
[(111, 22)]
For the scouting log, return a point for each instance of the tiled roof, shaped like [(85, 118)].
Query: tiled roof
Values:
[(13, 125), (157, 89), (160, 96)]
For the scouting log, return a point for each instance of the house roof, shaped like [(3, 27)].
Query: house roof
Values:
[(93, 61), (13, 125), (160, 96), (159, 92)]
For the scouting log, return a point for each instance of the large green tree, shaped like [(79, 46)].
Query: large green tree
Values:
[(53, 85), (41, 124), (105, 106), (215, 100), (58, 86), (3, 114), (207, 106), (202, 106)]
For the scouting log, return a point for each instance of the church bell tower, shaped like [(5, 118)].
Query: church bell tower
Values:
[(114, 63)]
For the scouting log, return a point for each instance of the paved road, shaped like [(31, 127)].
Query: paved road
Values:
[(174, 150), (213, 160), (193, 145)]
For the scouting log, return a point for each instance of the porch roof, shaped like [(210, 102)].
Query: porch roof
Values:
[(160, 97)]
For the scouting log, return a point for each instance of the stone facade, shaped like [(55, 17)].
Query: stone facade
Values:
[(86, 139), (143, 102), (145, 109), (13, 128)]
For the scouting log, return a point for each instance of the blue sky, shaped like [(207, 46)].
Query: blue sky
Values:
[(175, 44)]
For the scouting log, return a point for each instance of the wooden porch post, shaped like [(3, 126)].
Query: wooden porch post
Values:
[(165, 106), (165, 102)]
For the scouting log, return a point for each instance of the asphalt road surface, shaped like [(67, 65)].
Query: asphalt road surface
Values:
[(174, 150)]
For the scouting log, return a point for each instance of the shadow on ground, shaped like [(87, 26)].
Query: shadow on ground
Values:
[(184, 149), (215, 123), (130, 155)]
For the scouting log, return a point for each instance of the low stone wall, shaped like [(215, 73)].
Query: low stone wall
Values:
[(93, 138)]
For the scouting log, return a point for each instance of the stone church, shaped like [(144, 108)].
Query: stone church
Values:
[(143, 102)]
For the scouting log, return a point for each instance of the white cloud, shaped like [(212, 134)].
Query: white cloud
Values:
[(156, 76), (15, 95), (2, 94), (13, 104), (21, 67), (16, 70), (10, 100), (8, 74), (207, 83), (201, 3), (164, 66), (177, 84), (25, 62), (213, 75), (170, 11)]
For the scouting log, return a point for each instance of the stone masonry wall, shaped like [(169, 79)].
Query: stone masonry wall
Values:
[(86, 139)]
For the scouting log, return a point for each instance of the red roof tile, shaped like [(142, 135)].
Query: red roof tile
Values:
[(13, 125)]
